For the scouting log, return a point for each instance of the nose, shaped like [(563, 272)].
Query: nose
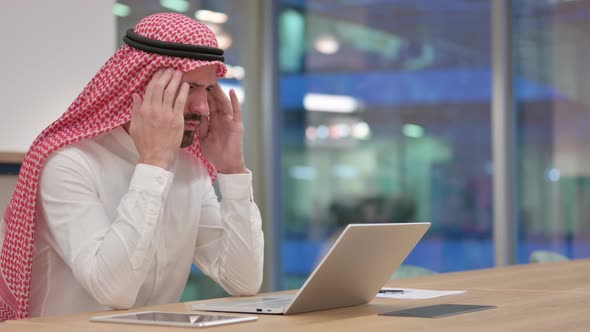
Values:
[(197, 102)]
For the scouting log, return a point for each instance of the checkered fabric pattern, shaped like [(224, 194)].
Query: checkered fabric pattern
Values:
[(104, 104)]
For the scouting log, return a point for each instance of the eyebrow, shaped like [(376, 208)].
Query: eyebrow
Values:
[(195, 84)]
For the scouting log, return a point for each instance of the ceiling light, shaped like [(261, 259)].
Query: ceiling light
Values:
[(224, 41), (210, 16), (316, 102), (413, 131), (121, 10), (327, 44), (361, 130), (176, 5)]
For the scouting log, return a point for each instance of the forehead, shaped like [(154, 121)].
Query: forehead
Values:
[(206, 75)]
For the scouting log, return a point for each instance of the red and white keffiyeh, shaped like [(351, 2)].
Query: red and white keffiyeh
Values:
[(104, 104)]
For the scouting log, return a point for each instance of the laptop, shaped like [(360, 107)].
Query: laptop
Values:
[(360, 262)]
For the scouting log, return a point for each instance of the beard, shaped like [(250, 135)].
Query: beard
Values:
[(188, 138)]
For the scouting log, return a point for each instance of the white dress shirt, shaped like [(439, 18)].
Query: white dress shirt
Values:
[(112, 233)]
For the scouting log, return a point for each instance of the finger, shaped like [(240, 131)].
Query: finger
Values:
[(181, 99), (172, 89), (203, 129), (136, 104), (237, 110), (221, 99), (212, 102), (150, 87), (160, 85)]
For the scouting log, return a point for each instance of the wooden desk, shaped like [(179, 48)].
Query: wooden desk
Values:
[(11, 157), (548, 297)]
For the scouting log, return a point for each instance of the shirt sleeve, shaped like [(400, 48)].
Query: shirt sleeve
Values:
[(109, 256), (230, 242)]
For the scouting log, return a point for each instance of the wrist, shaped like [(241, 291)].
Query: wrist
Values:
[(236, 170), (164, 164)]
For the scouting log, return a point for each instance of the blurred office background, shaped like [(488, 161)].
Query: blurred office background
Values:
[(470, 114)]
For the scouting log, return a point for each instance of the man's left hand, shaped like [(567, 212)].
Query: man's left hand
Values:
[(221, 135)]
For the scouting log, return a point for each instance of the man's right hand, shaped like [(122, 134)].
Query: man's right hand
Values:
[(157, 121)]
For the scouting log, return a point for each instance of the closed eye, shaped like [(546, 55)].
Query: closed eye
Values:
[(196, 85)]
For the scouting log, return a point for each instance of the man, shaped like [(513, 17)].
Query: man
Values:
[(116, 196)]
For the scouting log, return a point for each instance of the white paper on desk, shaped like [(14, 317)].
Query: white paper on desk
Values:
[(417, 294)]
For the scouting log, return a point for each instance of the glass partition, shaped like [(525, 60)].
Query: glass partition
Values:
[(551, 52), (386, 118)]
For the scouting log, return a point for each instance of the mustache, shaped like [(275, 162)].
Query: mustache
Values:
[(193, 117)]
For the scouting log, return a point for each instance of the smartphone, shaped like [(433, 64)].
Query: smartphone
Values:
[(181, 319)]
